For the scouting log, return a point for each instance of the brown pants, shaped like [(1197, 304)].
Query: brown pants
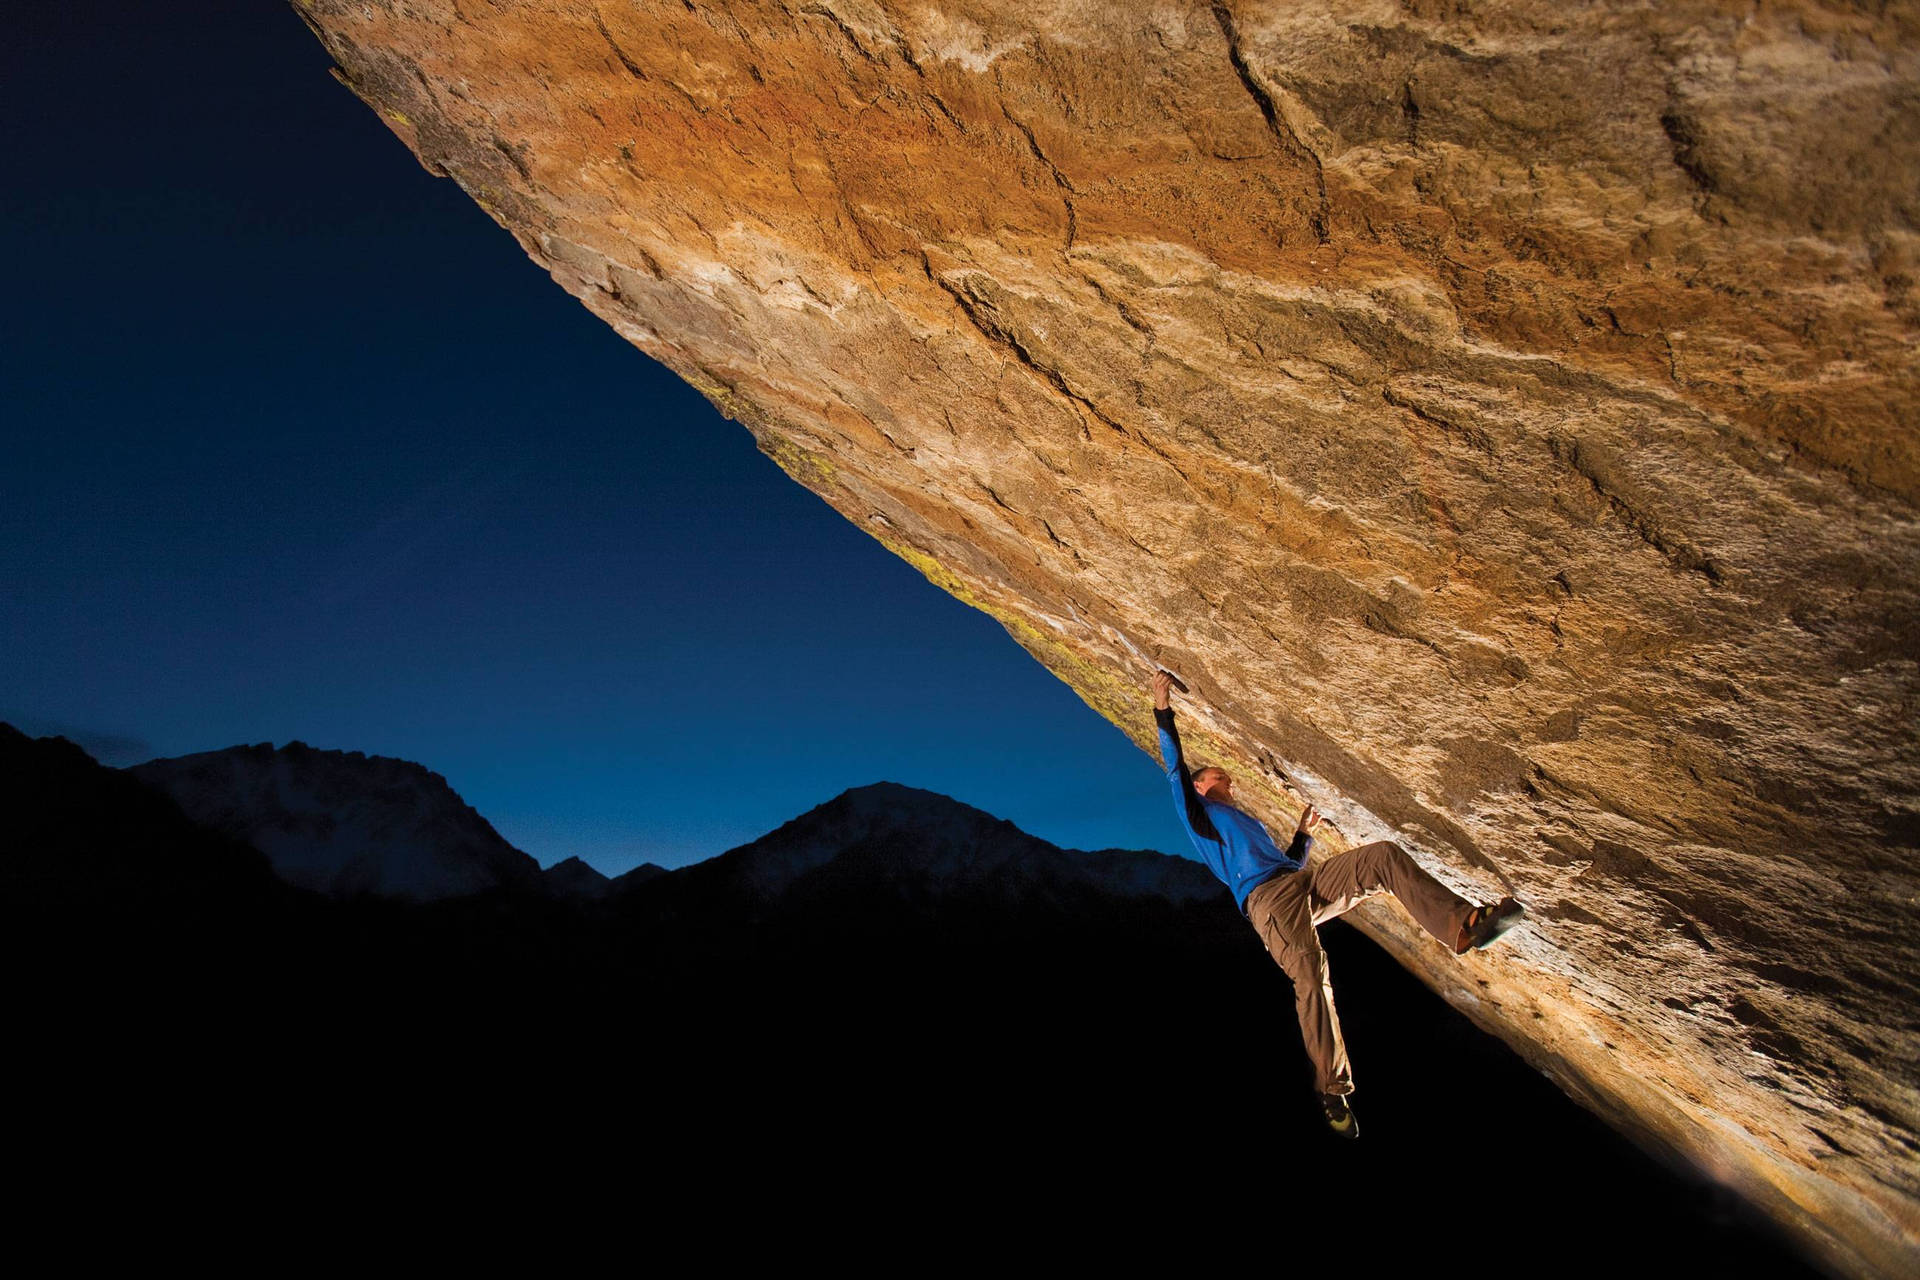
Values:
[(1286, 908)]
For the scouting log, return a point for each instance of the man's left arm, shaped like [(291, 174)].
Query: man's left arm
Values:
[(1302, 843)]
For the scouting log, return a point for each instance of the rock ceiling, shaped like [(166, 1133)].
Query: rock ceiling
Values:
[(1502, 415)]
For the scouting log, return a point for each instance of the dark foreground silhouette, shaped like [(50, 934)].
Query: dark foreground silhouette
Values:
[(882, 1053)]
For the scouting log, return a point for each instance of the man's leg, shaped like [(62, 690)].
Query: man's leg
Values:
[(1346, 879), (1281, 913)]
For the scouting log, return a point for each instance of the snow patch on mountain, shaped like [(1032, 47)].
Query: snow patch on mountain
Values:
[(343, 822)]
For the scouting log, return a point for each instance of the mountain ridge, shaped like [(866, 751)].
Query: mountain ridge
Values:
[(1095, 1037), (953, 843), (344, 822)]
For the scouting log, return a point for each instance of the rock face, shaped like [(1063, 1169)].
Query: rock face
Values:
[(1502, 415)]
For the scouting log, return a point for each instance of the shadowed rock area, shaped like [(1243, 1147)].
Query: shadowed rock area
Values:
[(1501, 415)]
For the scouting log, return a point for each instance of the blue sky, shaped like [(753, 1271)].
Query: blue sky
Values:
[(299, 445)]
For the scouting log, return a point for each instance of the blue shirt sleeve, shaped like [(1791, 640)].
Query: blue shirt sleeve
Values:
[(1193, 814)]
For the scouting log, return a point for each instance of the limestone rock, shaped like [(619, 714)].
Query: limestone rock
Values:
[(1502, 415)]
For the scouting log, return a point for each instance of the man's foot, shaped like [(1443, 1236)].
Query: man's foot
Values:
[(1339, 1115), (1485, 924)]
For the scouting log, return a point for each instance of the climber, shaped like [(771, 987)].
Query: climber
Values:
[(1284, 898)]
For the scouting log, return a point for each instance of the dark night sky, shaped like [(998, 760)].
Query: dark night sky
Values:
[(299, 445)]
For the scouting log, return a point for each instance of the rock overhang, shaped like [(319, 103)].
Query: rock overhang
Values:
[(1502, 416)]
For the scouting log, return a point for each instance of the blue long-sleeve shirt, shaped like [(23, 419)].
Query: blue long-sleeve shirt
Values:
[(1234, 845)]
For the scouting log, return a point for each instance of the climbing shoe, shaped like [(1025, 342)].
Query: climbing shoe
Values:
[(1339, 1115), (1485, 924)]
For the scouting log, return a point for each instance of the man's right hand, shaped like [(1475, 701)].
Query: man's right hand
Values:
[(1162, 688), (1309, 819)]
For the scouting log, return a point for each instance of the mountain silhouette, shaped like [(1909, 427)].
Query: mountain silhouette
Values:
[(894, 1003), (342, 822)]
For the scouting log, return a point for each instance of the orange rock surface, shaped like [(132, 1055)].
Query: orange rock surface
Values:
[(1502, 415)]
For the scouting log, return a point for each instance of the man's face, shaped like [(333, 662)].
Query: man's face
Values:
[(1214, 784)]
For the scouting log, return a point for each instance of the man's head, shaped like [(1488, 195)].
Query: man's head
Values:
[(1214, 783)]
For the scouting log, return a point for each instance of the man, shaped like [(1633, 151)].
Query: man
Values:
[(1283, 898)]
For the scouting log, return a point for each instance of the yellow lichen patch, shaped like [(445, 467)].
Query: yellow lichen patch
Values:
[(811, 469), (713, 391), (1122, 702), (935, 572)]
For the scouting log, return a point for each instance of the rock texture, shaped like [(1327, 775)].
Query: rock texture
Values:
[(1501, 414)]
